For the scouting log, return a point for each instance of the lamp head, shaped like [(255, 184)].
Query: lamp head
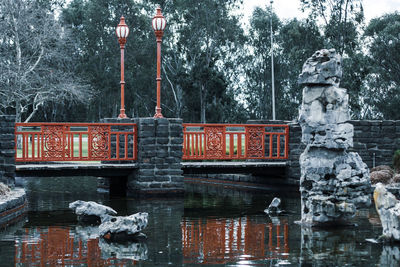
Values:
[(122, 31), (159, 23)]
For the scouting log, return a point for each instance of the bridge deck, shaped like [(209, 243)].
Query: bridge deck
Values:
[(119, 170), (257, 168), (75, 169)]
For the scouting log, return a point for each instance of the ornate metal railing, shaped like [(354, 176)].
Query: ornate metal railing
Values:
[(75, 142), (235, 141)]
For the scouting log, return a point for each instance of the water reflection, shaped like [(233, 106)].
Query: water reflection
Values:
[(220, 241), (62, 246), (213, 225), (390, 256)]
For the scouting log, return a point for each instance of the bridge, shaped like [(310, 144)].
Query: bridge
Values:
[(149, 147)]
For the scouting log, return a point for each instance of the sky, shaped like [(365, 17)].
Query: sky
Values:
[(291, 8)]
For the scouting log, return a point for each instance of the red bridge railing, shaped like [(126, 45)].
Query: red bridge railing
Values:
[(235, 141), (75, 141)]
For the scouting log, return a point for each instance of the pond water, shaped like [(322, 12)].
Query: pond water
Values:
[(212, 225)]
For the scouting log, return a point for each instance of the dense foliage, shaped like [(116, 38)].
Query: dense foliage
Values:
[(59, 60)]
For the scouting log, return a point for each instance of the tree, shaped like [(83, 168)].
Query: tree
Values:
[(298, 40), (294, 42), (36, 67), (205, 34), (93, 24), (382, 87), (342, 22)]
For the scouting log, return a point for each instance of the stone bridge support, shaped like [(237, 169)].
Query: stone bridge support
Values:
[(159, 157), (7, 150)]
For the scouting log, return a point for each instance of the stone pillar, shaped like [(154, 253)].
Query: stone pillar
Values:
[(7, 150), (334, 183), (159, 158)]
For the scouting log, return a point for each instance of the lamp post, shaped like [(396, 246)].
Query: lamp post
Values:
[(158, 24), (272, 68), (122, 33)]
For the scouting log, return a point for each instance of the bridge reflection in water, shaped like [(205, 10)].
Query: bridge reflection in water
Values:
[(204, 241), (58, 246), (220, 241)]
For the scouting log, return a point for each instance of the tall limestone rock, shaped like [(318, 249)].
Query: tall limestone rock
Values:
[(334, 183)]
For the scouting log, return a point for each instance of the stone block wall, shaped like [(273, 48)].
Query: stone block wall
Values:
[(7, 152), (159, 157), (374, 140)]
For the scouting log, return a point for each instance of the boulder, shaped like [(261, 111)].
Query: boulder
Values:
[(123, 227), (333, 136), (388, 208), (273, 208), (92, 212), (333, 183), (324, 67), (382, 176), (324, 105)]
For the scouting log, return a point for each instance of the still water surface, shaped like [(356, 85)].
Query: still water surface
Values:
[(212, 225)]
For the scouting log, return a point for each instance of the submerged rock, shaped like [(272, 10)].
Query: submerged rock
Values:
[(388, 208), (273, 208), (89, 211), (123, 227)]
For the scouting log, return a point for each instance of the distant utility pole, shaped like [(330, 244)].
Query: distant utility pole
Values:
[(272, 68)]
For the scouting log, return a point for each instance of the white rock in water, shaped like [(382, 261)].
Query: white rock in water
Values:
[(129, 225), (273, 208), (90, 208), (388, 208)]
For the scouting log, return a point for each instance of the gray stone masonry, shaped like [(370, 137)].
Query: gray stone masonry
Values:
[(159, 157), (7, 150)]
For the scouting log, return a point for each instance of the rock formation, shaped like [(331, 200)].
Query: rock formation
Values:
[(388, 208), (123, 227), (273, 208), (91, 211), (334, 183)]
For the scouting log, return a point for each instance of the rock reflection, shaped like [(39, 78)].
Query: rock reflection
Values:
[(128, 250), (62, 245), (390, 256), (220, 241), (329, 247)]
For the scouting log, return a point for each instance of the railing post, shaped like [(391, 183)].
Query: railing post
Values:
[(7, 150)]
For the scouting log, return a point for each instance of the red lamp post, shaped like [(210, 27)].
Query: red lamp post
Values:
[(122, 33), (158, 24)]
